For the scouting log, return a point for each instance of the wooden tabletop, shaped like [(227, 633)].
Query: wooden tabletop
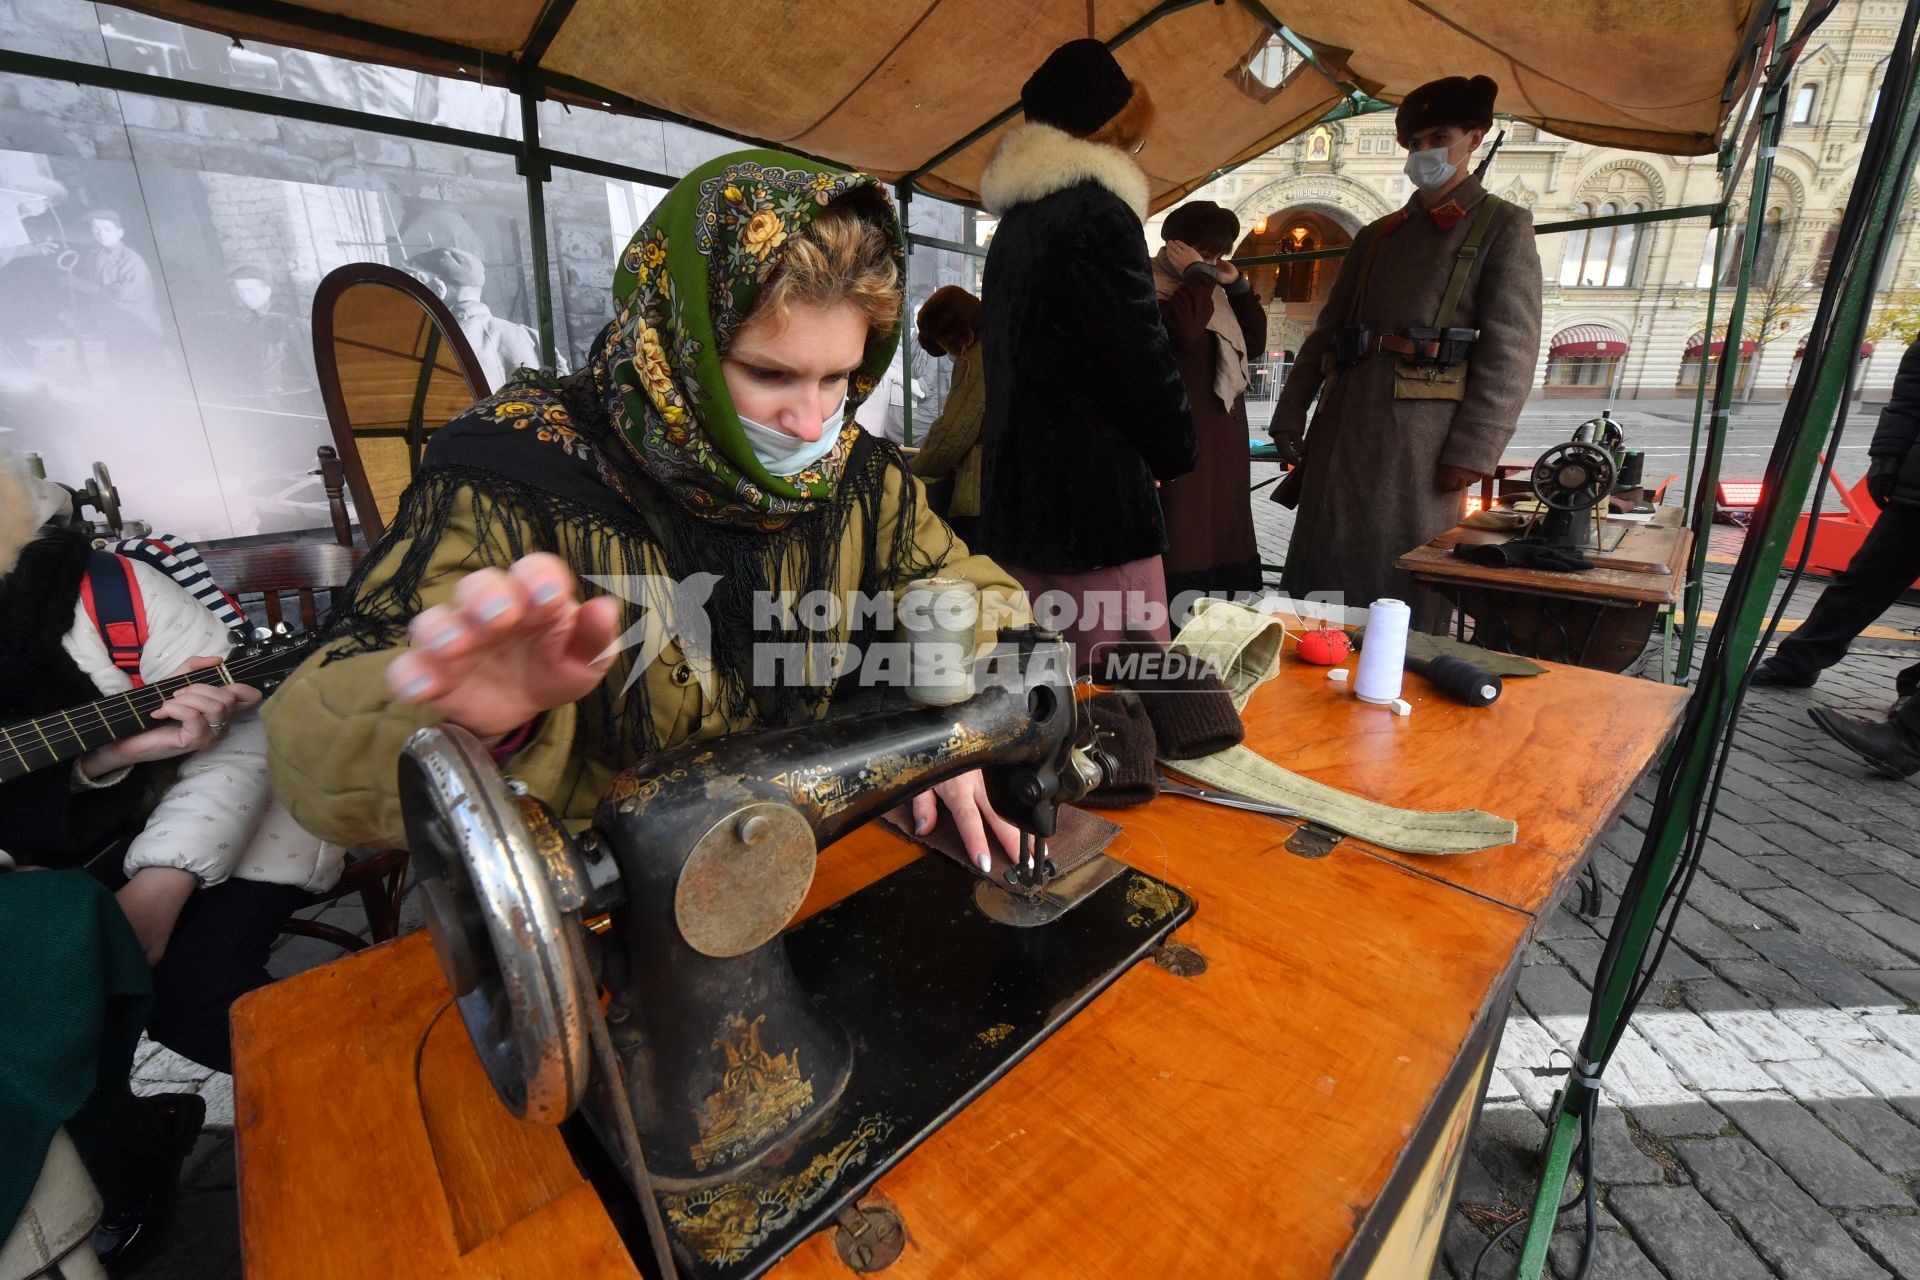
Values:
[(1241, 1122), (1648, 567)]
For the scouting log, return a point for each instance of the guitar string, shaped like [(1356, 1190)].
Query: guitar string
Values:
[(140, 702)]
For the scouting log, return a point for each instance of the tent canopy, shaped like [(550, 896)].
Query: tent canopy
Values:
[(895, 89)]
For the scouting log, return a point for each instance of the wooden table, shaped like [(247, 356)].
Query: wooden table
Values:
[(1600, 617), (1300, 1109)]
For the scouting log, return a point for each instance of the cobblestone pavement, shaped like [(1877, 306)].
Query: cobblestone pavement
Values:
[(1763, 1118), (1760, 1118)]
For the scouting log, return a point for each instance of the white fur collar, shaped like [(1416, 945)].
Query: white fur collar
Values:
[(1036, 160), (25, 505)]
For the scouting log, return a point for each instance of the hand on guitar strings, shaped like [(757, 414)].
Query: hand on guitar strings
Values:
[(196, 718)]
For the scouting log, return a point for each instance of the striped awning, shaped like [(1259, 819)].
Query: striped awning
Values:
[(1588, 340), (1699, 339), (1800, 352)]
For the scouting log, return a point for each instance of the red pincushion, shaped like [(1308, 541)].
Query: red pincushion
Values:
[(1325, 647)]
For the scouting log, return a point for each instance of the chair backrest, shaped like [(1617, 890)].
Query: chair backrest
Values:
[(393, 366), (297, 578)]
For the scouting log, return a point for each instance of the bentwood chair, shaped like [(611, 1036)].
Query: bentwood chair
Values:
[(297, 583), (393, 366)]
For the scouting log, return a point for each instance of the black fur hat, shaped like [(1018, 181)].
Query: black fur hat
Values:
[(1078, 88), (1454, 100)]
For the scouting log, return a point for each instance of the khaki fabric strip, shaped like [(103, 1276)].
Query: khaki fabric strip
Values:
[(1246, 646)]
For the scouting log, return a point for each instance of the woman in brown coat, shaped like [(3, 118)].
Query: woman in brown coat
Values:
[(949, 324), (1215, 323)]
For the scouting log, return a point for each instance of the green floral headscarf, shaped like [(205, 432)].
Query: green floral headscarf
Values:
[(681, 290)]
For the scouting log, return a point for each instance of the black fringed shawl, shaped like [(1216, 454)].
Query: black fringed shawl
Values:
[(542, 469)]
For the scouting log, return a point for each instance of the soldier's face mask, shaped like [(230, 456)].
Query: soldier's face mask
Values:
[(1431, 169)]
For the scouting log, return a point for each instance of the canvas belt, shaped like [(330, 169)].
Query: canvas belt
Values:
[(1245, 646), (1463, 261)]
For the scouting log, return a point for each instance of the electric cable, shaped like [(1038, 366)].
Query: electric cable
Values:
[(1718, 656), (1717, 660), (1481, 1258)]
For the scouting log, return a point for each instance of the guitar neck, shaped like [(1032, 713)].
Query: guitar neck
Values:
[(27, 745)]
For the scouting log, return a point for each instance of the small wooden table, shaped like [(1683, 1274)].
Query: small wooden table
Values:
[(1600, 617), (1299, 1109)]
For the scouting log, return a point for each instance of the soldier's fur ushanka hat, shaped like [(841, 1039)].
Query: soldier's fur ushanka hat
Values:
[(1454, 100)]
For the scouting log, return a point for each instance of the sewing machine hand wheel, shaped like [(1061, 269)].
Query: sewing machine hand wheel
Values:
[(1573, 476), (99, 493), (496, 926)]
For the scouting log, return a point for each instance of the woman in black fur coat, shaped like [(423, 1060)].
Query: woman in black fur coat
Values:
[(1085, 408)]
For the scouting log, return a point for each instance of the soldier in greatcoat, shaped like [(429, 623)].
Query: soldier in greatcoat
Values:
[(1417, 398)]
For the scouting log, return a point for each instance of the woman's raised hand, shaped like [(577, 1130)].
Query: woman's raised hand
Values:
[(1181, 255), (514, 643)]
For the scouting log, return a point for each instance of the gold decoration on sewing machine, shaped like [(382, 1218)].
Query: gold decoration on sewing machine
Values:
[(629, 794), (995, 1034), (964, 740), (550, 843), (817, 786), (760, 1094), (723, 1224), (1151, 901)]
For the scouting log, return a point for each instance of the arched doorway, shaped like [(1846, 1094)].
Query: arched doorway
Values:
[(1295, 291)]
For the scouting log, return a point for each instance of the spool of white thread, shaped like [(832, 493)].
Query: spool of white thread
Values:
[(1383, 660), (937, 617)]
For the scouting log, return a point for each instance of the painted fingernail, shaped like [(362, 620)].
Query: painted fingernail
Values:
[(546, 593), (414, 688), (984, 861), (492, 609), (444, 637)]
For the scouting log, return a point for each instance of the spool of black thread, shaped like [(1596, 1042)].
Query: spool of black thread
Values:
[(1459, 679), (1632, 469)]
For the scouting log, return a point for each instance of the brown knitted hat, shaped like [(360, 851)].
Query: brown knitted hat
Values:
[(950, 315)]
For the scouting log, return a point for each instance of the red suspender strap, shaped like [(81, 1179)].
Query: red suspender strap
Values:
[(111, 594)]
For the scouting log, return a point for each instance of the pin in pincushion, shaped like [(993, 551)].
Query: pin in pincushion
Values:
[(1325, 647)]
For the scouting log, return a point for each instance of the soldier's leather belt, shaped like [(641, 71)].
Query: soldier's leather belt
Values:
[(1407, 347)]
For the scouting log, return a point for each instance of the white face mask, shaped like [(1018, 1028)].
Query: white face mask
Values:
[(788, 455), (1431, 169)]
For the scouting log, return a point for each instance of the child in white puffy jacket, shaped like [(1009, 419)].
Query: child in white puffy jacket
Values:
[(216, 864)]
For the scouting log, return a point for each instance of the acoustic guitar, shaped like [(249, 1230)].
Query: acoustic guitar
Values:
[(36, 743)]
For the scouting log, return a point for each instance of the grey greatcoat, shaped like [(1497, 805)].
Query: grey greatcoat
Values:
[(1369, 494)]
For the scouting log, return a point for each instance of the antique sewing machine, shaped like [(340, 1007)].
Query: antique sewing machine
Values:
[(1573, 480), (745, 1082)]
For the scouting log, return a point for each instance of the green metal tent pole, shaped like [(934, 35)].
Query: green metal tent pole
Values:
[(1705, 496), (533, 166), (1713, 303), (1543, 229), (903, 192), (1690, 622), (1744, 618)]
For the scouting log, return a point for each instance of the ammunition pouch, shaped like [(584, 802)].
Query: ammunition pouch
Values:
[(1439, 346), (1352, 344)]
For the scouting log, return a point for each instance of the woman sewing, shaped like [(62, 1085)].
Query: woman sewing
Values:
[(704, 462)]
